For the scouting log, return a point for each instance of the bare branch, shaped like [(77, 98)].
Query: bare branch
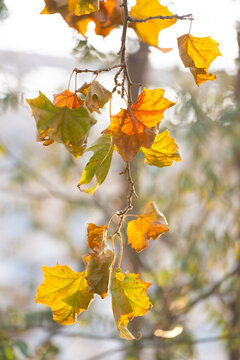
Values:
[(160, 17)]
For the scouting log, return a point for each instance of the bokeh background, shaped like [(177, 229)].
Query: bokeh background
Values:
[(194, 268)]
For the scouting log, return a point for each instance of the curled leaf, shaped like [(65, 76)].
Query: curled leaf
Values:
[(138, 126), (96, 237), (150, 224), (61, 124), (149, 31), (98, 164), (129, 299), (96, 96), (99, 268), (163, 151), (65, 291), (197, 54)]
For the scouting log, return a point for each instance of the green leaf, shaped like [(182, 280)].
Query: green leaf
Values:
[(163, 151), (98, 164), (61, 124)]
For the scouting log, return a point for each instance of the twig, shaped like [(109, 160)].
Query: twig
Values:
[(160, 17), (79, 71)]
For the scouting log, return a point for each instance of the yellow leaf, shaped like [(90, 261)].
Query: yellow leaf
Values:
[(150, 224), (163, 151), (65, 291), (96, 237), (149, 30), (198, 54), (129, 299), (99, 268)]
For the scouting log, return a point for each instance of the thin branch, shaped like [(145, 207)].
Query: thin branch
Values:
[(79, 71), (160, 17)]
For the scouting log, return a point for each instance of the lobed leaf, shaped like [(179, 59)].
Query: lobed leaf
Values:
[(98, 165), (150, 224), (65, 291), (129, 299), (138, 126), (163, 151), (197, 54), (149, 31), (61, 124)]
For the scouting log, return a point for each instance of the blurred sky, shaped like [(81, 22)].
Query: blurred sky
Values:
[(25, 30)]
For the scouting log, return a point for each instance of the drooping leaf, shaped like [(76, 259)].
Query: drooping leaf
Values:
[(129, 299), (198, 54), (163, 151), (61, 124), (67, 98), (96, 237), (150, 224), (149, 30), (138, 126), (98, 164), (96, 96), (99, 268), (65, 291), (86, 7)]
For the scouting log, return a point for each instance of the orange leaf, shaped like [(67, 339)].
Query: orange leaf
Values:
[(105, 18), (198, 54), (138, 126), (96, 237), (67, 98), (150, 224), (65, 291)]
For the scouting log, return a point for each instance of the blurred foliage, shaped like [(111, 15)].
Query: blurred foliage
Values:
[(85, 52), (3, 10)]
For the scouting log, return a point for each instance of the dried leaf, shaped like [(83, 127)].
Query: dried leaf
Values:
[(98, 164), (198, 54), (61, 124), (96, 96), (86, 7), (150, 224), (65, 291), (138, 126), (149, 30), (163, 151), (96, 237), (99, 268), (129, 299), (67, 98)]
